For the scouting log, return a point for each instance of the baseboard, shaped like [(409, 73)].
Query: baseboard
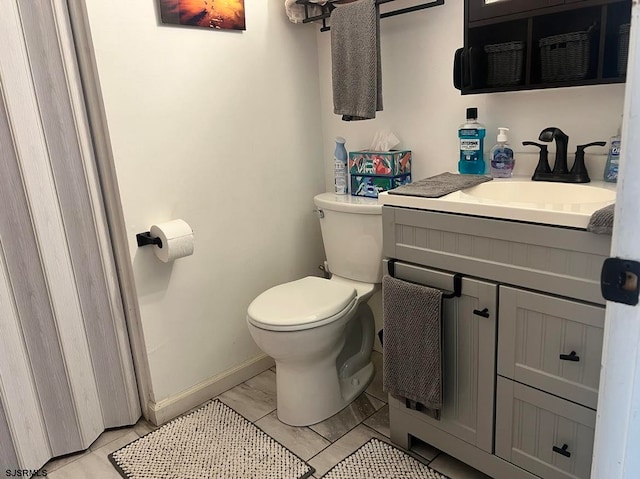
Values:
[(173, 406)]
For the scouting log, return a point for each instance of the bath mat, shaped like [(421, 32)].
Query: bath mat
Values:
[(377, 459), (211, 442)]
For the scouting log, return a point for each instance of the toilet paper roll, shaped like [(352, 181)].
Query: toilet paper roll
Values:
[(177, 240)]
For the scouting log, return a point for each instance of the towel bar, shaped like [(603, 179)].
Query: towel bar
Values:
[(329, 6), (457, 280)]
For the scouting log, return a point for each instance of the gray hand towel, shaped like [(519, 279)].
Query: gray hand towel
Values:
[(355, 56), (412, 346), (601, 222), (439, 185)]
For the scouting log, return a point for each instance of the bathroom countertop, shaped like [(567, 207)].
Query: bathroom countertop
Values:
[(519, 199)]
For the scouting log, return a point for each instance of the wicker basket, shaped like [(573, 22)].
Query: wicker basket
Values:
[(504, 63), (623, 48), (565, 57)]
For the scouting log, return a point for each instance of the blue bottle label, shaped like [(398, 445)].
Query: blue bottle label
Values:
[(501, 160), (471, 151)]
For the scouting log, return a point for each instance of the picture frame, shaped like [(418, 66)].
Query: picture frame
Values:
[(212, 14)]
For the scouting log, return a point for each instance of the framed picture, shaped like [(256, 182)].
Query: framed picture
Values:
[(218, 14)]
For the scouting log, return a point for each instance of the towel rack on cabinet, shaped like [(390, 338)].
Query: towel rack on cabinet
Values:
[(328, 7), (457, 280)]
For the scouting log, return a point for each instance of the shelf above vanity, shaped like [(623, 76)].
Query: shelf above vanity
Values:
[(532, 44)]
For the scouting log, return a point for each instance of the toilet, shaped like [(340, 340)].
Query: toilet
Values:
[(320, 331)]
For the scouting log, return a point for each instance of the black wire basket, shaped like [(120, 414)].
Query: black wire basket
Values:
[(504, 63), (623, 48), (565, 57)]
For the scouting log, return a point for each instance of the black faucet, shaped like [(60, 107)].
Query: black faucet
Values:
[(562, 140), (560, 172)]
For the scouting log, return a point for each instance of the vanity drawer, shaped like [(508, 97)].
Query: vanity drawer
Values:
[(543, 434), (551, 344)]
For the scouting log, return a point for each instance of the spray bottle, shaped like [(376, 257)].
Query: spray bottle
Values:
[(340, 170)]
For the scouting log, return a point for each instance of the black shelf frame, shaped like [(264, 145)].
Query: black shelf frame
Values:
[(329, 7), (610, 13)]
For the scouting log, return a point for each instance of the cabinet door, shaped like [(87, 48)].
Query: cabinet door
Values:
[(484, 9), (468, 351), (551, 344)]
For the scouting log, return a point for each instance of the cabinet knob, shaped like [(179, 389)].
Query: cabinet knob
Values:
[(484, 313), (572, 356), (562, 450)]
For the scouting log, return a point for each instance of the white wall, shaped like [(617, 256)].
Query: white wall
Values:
[(424, 110), (222, 129)]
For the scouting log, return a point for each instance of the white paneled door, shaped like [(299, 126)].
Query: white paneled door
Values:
[(617, 442), (66, 371)]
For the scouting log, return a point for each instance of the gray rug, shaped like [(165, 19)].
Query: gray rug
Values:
[(210, 443), (377, 460)]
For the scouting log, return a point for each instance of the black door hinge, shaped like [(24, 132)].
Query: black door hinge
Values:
[(619, 280)]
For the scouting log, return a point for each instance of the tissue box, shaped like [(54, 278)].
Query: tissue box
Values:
[(380, 163), (368, 185)]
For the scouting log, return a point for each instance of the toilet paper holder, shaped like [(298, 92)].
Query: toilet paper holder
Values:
[(145, 239)]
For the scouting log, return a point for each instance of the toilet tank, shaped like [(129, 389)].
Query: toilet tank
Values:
[(352, 235)]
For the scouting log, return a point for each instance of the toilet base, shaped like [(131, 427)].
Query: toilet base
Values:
[(295, 392)]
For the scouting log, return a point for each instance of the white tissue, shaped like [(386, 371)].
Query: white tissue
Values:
[(177, 240), (384, 140)]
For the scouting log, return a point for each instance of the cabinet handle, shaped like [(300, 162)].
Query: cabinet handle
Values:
[(572, 356), (484, 313), (562, 450)]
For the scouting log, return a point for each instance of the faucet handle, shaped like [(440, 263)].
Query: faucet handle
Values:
[(543, 159), (594, 143), (533, 143), (579, 169)]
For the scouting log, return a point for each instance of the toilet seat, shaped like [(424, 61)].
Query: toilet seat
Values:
[(302, 304)]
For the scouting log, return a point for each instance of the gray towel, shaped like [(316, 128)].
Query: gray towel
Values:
[(355, 57), (412, 346), (439, 185), (601, 222)]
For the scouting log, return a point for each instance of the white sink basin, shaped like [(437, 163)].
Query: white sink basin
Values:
[(541, 193), (519, 199)]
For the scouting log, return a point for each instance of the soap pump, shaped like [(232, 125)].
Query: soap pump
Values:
[(502, 161)]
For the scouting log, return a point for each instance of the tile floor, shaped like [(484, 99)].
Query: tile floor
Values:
[(322, 445)]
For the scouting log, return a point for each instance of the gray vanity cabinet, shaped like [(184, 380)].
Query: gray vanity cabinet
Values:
[(521, 385), (468, 356)]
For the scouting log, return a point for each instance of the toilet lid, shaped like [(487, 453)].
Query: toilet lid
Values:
[(300, 302)]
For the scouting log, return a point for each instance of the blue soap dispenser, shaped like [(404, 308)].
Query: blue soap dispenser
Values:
[(471, 136), (502, 161)]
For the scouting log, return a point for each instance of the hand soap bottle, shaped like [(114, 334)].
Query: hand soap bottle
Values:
[(340, 168), (471, 136), (502, 161)]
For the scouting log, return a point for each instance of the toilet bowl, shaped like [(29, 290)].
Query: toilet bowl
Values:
[(320, 332)]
